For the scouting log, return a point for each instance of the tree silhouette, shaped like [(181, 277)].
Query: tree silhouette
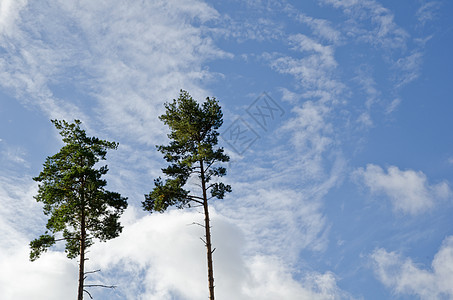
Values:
[(74, 197), (191, 151)]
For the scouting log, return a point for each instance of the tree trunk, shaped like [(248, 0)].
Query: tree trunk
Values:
[(82, 254), (207, 234)]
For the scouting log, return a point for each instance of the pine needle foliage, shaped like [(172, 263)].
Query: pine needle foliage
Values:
[(73, 192), (192, 151)]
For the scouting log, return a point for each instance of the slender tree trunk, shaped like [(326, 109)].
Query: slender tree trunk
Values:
[(208, 234), (82, 254)]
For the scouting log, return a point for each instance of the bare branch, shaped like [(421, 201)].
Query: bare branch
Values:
[(203, 241), (90, 272), (100, 285), (195, 223), (91, 297)]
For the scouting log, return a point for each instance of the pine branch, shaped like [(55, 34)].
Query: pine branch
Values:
[(197, 199), (209, 165)]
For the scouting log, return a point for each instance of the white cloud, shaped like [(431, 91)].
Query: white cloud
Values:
[(365, 119), (10, 155), (270, 280), (261, 29), (19, 212), (9, 12), (311, 135), (166, 251), (320, 27), (385, 33), (143, 57), (161, 257), (315, 70), (408, 68), (393, 106), (272, 217), (51, 277), (323, 29), (405, 277), (29, 62), (408, 190), (127, 57), (428, 11)]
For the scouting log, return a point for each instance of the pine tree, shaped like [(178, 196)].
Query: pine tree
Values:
[(191, 151), (80, 210)]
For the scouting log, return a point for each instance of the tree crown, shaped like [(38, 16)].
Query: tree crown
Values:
[(70, 186), (192, 150)]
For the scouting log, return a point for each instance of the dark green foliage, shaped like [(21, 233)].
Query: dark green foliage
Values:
[(191, 151), (193, 138), (40, 245), (72, 191)]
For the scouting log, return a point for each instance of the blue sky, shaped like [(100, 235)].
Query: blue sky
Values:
[(341, 171)]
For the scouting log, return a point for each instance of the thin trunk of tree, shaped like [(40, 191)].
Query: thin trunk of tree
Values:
[(208, 234), (82, 253)]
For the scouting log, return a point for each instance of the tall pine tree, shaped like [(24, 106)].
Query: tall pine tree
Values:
[(192, 151), (75, 199)]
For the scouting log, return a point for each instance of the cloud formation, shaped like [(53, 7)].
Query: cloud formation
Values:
[(126, 58), (161, 257), (409, 190), (406, 277)]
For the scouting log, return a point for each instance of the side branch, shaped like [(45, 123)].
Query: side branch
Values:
[(91, 297), (195, 223), (209, 165), (199, 200), (90, 272), (100, 285)]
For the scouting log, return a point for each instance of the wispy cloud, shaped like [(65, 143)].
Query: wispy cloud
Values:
[(371, 23), (9, 12), (385, 32), (314, 70), (298, 216), (260, 30), (11, 156), (409, 190), (106, 53), (428, 11), (320, 27), (408, 68), (28, 62), (406, 277), (393, 105)]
